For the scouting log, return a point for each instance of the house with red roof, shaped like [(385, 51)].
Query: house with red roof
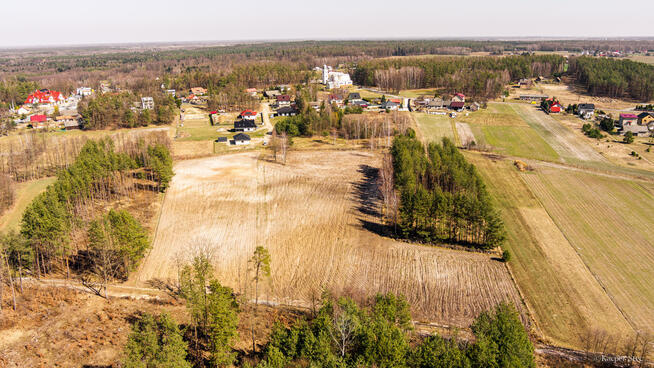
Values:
[(283, 100), (459, 97), (45, 97), (248, 114), (38, 118)]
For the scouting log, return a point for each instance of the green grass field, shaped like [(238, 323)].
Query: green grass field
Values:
[(434, 127), (520, 141), (494, 115), (415, 93), (25, 193)]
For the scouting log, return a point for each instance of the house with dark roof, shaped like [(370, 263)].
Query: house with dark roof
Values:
[(474, 106), (286, 111), (241, 138), (436, 103), (646, 118), (390, 105), (354, 96), (586, 111), (221, 140), (245, 126)]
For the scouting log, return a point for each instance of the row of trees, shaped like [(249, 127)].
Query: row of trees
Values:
[(614, 78), (118, 110), (442, 196), (98, 174), (479, 76)]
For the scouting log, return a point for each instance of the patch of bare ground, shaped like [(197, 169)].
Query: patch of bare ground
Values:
[(62, 327), (318, 216), (465, 134)]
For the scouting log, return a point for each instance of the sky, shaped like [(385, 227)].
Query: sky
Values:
[(77, 22)]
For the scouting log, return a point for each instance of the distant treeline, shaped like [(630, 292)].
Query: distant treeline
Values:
[(98, 174), (614, 78), (442, 196), (477, 76)]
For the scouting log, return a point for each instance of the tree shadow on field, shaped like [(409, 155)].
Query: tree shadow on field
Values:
[(367, 191)]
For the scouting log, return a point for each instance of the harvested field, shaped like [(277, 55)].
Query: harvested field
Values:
[(610, 223), (564, 297), (318, 217), (495, 114)]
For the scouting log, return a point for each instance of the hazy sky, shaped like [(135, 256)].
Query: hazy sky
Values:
[(48, 22)]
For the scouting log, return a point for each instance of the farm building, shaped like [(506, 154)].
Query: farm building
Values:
[(533, 97), (286, 111), (71, 124), (241, 139), (474, 106), (629, 123), (436, 103), (221, 140), (244, 126), (457, 105), (273, 93), (586, 111), (38, 118), (248, 114), (525, 83)]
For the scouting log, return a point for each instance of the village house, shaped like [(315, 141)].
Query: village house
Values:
[(245, 126), (354, 96), (336, 99), (84, 91), (459, 97), (629, 123), (38, 118), (198, 91), (283, 100), (586, 111), (457, 105), (436, 103), (221, 140), (525, 83), (252, 92), (646, 118), (147, 103), (474, 106), (390, 105), (241, 139), (287, 111), (45, 97), (248, 114)]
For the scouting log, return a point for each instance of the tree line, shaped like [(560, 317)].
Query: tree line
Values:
[(484, 77), (442, 197), (118, 110), (614, 77), (98, 174), (7, 192)]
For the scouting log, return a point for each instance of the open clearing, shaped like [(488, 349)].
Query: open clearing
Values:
[(562, 294), (465, 134), (495, 114), (434, 127), (25, 193), (610, 223), (521, 141), (317, 215)]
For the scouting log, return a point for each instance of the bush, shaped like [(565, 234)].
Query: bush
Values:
[(628, 138), (506, 255)]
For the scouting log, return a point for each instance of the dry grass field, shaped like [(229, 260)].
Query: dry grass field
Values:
[(563, 295), (610, 223), (317, 215), (434, 127), (25, 193)]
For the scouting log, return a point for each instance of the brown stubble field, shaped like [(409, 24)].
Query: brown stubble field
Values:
[(317, 216)]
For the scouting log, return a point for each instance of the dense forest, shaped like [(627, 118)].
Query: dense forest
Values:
[(614, 78), (484, 77), (442, 196), (98, 175)]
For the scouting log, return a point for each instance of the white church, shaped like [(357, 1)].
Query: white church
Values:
[(334, 79)]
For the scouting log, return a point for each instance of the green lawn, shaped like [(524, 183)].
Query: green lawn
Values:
[(520, 141), (25, 193), (434, 127), (415, 93)]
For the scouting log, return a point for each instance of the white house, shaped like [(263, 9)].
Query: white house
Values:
[(84, 91), (245, 126), (147, 103), (334, 79)]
